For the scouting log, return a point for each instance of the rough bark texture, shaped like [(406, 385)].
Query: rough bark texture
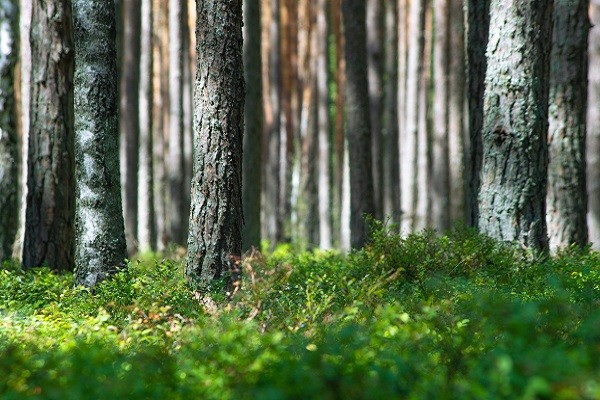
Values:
[(146, 226), (9, 171), (49, 232), (100, 234), (567, 193), (593, 125), (477, 18), (216, 214), (357, 120), (515, 152), (129, 118), (253, 118)]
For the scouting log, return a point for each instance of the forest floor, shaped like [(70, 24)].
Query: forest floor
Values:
[(456, 317)]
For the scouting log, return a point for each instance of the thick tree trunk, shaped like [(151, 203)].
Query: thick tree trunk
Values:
[(100, 233), (358, 120), (9, 170), (515, 127), (253, 118), (129, 122), (216, 215), (567, 193), (146, 225), (49, 232), (593, 125)]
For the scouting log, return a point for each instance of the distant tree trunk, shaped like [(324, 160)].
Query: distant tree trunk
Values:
[(477, 18), (146, 224), (100, 233), (253, 118), (593, 124), (216, 215), (9, 171), (376, 70), (324, 186), (403, 37), (410, 145), (441, 163), (49, 232), (391, 150), (129, 122), (515, 152), (358, 122), (567, 193)]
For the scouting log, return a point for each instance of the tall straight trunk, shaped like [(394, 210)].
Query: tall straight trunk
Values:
[(324, 186), (176, 162), (477, 19), (216, 216), (49, 231), (515, 127), (403, 36), (129, 122), (358, 120), (391, 171), (410, 144), (100, 233), (593, 125), (456, 114), (253, 118), (376, 70), (146, 225), (441, 163), (189, 71), (9, 157), (567, 193)]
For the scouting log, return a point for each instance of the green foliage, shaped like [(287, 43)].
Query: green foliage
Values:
[(459, 316)]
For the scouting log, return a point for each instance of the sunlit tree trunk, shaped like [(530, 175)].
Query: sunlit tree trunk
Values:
[(593, 124)]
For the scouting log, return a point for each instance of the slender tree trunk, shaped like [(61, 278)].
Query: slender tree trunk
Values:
[(376, 70), (9, 171), (593, 124), (358, 122), (100, 233), (253, 118), (189, 71), (216, 215), (403, 36), (515, 127), (146, 224), (49, 231), (129, 122)]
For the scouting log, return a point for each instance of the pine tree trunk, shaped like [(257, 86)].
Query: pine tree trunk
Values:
[(515, 127), (49, 231), (100, 233), (9, 171), (253, 118), (593, 125), (216, 215), (358, 120)]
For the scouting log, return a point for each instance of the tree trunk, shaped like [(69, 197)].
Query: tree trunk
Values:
[(9, 171), (49, 232), (515, 128), (100, 233), (216, 215), (129, 122), (593, 124), (358, 122), (146, 224), (253, 118)]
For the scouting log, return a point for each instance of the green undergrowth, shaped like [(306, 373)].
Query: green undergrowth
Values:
[(420, 317)]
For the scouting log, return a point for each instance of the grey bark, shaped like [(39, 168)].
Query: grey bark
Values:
[(515, 126), (9, 152), (593, 125), (49, 231), (358, 120), (129, 118), (253, 118), (216, 218), (99, 228)]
